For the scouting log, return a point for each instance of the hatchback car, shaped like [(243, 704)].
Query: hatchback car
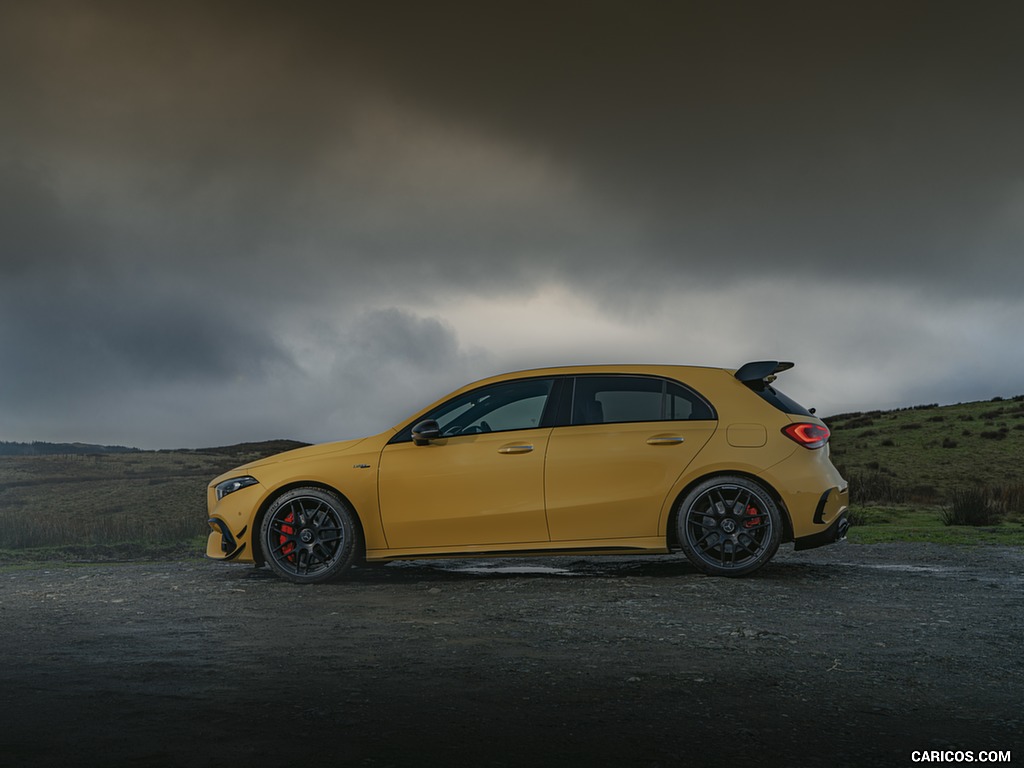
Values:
[(584, 460)]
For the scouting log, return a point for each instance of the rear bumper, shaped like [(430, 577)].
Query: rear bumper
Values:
[(836, 531)]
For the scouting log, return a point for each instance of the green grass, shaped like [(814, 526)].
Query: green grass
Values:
[(907, 468), (882, 524), (927, 452)]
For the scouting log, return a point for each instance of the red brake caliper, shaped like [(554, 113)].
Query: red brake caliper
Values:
[(288, 547), (755, 518)]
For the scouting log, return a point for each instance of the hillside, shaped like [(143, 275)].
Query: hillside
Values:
[(39, 448), (922, 454), (903, 466), (113, 504)]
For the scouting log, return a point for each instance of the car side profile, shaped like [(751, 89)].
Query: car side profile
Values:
[(644, 459)]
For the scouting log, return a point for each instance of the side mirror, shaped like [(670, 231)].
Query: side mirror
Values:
[(425, 431)]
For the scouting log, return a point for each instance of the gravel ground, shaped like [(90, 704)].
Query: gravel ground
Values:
[(843, 656)]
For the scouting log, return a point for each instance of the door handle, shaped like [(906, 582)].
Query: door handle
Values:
[(666, 440), (516, 448)]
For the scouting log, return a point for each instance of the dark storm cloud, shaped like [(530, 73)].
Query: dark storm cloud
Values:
[(77, 342), (72, 322), (398, 362), (222, 194), (240, 143), (874, 142), (869, 141), (36, 232)]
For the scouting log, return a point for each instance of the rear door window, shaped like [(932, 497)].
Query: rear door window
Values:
[(621, 399)]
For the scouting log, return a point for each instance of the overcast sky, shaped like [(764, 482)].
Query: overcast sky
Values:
[(231, 221)]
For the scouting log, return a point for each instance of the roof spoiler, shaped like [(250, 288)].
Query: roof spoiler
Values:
[(761, 372)]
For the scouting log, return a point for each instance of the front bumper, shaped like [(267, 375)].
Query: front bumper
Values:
[(230, 519), (222, 544)]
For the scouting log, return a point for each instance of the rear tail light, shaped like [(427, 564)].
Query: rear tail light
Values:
[(808, 435)]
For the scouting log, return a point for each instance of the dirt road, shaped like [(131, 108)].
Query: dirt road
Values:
[(850, 655)]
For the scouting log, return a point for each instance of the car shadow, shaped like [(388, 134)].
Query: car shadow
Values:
[(549, 568)]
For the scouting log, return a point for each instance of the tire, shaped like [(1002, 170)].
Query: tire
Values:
[(309, 536), (728, 526)]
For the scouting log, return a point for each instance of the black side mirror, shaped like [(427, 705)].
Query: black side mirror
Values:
[(425, 431)]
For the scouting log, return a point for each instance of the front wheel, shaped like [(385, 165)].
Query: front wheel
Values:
[(728, 526), (309, 535)]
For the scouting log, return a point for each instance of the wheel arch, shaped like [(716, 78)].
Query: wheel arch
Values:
[(257, 546), (671, 530)]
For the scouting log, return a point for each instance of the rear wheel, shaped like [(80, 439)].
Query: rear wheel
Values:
[(728, 526), (309, 536)]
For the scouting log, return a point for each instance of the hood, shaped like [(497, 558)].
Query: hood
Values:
[(305, 453), (310, 451)]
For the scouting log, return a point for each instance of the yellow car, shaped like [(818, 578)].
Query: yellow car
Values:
[(582, 460)]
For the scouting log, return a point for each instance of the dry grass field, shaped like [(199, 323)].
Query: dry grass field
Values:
[(112, 505)]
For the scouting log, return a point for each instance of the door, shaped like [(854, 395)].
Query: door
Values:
[(481, 483), (609, 471)]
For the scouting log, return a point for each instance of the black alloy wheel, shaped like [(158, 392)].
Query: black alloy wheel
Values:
[(728, 526), (309, 536)]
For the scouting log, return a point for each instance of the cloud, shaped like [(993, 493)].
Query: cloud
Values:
[(856, 346), (731, 140), (223, 222), (81, 324), (745, 139)]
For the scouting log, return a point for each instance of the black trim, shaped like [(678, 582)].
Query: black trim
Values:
[(559, 400), (561, 414), (835, 532), (758, 377), (761, 370), (486, 553), (779, 400), (229, 544), (819, 511)]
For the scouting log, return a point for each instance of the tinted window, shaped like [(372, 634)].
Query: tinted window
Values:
[(617, 399), (684, 404), (779, 400), (497, 408)]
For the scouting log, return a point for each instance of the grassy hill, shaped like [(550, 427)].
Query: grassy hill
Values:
[(911, 469), (113, 505), (926, 452), (907, 469), (39, 448)]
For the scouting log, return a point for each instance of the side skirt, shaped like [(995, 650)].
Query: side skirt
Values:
[(645, 546)]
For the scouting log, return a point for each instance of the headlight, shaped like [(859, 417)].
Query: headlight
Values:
[(234, 484)]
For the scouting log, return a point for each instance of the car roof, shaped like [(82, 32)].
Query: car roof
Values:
[(657, 369), (708, 381)]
